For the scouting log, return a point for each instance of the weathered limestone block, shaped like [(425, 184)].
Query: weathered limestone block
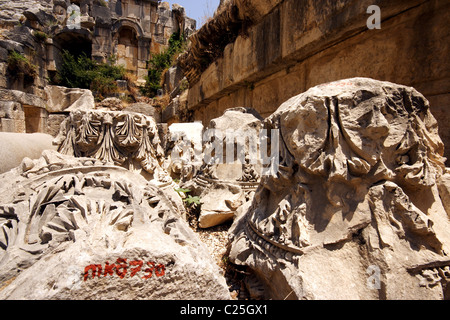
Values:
[(145, 108), (22, 112), (12, 117), (234, 124), (121, 138), (110, 104), (172, 79), (224, 185), (3, 70), (185, 147), (444, 190), (16, 146), (76, 228), (354, 211), (62, 99), (220, 203), (13, 10), (39, 15), (22, 98), (11, 45), (54, 122)]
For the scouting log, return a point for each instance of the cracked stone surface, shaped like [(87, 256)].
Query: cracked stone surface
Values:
[(354, 211)]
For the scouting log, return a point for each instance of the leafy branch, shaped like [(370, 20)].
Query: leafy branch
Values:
[(191, 201)]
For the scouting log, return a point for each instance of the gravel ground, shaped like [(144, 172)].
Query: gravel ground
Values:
[(216, 240)]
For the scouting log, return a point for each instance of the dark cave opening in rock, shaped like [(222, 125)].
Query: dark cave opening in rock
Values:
[(76, 42)]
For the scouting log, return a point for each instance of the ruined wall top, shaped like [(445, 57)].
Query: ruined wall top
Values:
[(232, 17)]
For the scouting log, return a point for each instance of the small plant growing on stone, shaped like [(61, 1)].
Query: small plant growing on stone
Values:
[(19, 64), (191, 201), (160, 62), (40, 36), (192, 204)]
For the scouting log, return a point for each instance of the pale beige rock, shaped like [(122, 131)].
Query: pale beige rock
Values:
[(62, 99), (444, 190), (22, 98), (111, 104), (220, 202), (76, 228), (354, 211), (224, 187), (146, 109), (14, 147), (184, 154)]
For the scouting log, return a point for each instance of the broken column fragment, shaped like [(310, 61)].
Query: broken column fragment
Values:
[(230, 172), (77, 228), (117, 137), (354, 211)]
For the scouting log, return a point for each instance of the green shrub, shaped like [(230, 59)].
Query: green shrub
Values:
[(76, 72), (177, 43), (40, 36), (19, 64), (83, 72), (159, 62)]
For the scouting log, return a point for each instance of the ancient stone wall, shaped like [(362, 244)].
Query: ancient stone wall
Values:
[(39, 30), (128, 30), (282, 48)]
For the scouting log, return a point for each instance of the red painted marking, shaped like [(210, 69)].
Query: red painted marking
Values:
[(120, 268)]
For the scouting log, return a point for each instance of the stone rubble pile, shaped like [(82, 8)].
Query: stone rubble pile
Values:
[(358, 207)]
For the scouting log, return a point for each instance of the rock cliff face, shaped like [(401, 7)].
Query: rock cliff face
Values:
[(128, 30), (37, 32), (354, 211), (12, 11)]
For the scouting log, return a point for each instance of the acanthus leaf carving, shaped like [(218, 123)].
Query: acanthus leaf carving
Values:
[(120, 138), (358, 167)]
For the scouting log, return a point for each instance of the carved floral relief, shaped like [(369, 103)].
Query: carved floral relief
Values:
[(120, 138)]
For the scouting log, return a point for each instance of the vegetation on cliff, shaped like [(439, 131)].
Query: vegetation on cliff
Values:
[(160, 62), (18, 64), (83, 72)]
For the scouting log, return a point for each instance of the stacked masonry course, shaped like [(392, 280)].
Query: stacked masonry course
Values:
[(128, 30), (272, 50)]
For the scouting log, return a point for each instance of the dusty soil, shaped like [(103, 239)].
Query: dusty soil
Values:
[(217, 241)]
